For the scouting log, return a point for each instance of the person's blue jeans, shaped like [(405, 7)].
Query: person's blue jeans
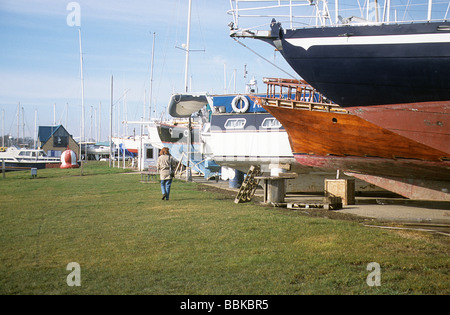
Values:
[(165, 187)]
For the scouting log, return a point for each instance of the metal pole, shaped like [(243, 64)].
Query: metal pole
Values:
[(18, 124), (23, 125), (388, 12), (118, 156), (35, 129), (141, 150), (189, 140), (151, 80), (430, 4), (188, 40), (82, 102), (336, 11), (110, 124), (99, 138), (290, 15), (3, 127)]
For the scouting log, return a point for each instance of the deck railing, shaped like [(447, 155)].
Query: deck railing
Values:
[(295, 94), (319, 13)]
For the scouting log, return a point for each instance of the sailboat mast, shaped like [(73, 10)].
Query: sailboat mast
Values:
[(23, 125), (151, 79), (186, 78), (111, 124), (18, 124), (430, 5), (336, 11), (35, 129), (186, 69), (82, 101), (3, 127)]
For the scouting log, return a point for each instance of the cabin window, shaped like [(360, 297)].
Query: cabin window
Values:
[(149, 154), (271, 123), (235, 123), (25, 153)]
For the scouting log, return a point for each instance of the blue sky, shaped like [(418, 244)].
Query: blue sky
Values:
[(40, 61)]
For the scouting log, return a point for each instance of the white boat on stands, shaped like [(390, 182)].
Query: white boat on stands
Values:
[(22, 159), (190, 151), (236, 133)]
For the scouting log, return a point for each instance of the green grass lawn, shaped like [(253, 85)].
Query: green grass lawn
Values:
[(128, 241)]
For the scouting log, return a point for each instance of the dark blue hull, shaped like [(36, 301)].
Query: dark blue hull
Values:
[(372, 65), (18, 166)]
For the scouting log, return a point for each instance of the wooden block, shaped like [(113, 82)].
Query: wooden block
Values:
[(344, 188)]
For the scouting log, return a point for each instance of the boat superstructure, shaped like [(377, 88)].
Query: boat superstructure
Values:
[(235, 132), (21, 159)]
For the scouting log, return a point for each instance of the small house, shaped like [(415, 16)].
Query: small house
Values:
[(55, 139)]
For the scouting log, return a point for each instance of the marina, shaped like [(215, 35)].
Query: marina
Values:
[(343, 119), (328, 153), (313, 127)]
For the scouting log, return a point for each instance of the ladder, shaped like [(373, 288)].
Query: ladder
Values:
[(248, 187)]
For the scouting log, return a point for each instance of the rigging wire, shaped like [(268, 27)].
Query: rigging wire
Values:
[(265, 59), (446, 12)]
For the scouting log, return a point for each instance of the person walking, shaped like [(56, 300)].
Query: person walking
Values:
[(166, 169)]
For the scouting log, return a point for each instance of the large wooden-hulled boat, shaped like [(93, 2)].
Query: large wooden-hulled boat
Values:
[(403, 148)]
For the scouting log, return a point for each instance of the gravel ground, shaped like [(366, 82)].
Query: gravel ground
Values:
[(382, 207)]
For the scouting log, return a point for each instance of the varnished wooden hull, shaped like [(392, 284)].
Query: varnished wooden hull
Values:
[(394, 145), (427, 123)]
